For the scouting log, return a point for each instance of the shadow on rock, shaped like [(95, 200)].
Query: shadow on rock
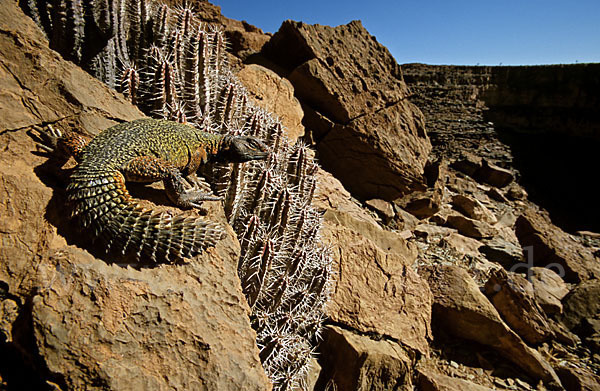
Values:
[(58, 213)]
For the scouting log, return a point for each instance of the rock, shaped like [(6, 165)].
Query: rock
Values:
[(581, 303), (275, 94), (355, 74), (38, 86), (83, 322), (514, 298), (406, 234), (473, 209), (563, 335), (426, 203), (508, 219), (320, 125), (462, 244), (578, 379), (467, 163), (313, 374), (429, 231), (516, 192), (460, 184), (148, 329), (383, 208), (503, 252), (245, 41), (464, 312), (375, 140), (589, 235), (549, 289), (439, 218), (496, 194), (493, 175), (376, 289), (380, 155), (436, 173), (428, 380), (243, 38), (332, 198), (469, 227), (355, 362), (157, 325), (405, 220), (551, 247), (482, 170), (9, 311), (591, 333), (422, 204)]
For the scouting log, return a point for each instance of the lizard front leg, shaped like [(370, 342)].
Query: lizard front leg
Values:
[(183, 194), (62, 145)]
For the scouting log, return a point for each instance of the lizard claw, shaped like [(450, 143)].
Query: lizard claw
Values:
[(46, 138), (195, 183), (199, 188)]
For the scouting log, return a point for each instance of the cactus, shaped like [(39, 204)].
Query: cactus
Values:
[(174, 67)]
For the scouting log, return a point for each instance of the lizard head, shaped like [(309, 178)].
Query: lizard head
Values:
[(239, 149)]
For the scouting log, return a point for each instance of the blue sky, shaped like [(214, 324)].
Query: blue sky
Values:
[(485, 32)]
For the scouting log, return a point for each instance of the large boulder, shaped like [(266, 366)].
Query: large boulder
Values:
[(82, 322), (582, 304), (357, 362), (463, 311), (514, 298), (366, 131), (275, 94), (549, 246), (346, 72), (376, 291), (549, 289)]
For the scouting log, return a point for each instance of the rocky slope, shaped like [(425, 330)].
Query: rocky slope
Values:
[(447, 276), (69, 319)]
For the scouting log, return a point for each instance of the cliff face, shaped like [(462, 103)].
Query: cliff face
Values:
[(541, 122), (559, 99), (447, 275)]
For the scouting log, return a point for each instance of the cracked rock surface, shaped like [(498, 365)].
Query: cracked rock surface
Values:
[(365, 130), (72, 319)]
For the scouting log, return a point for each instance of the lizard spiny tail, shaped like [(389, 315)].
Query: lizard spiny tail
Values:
[(101, 201)]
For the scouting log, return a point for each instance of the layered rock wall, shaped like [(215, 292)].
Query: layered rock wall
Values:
[(541, 122), (562, 99)]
